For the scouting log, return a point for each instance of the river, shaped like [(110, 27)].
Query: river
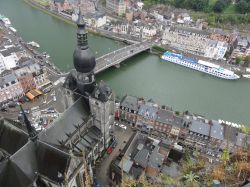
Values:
[(144, 75)]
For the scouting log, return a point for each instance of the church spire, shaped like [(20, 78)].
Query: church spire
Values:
[(82, 37), (31, 130)]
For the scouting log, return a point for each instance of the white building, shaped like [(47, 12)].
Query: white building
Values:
[(121, 28), (148, 32), (216, 49), (8, 61), (96, 20)]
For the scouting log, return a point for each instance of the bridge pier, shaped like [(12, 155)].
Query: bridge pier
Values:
[(117, 65)]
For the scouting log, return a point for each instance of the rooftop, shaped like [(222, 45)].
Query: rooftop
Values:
[(200, 127), (217, 130), (148, 110), (130, 102)]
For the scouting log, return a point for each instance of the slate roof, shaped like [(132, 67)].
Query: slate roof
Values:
[(102, 92), (148, 111), (164, 116), (7, 78), (241, 139), (200, 127), (130, 102), (8, 132), (24, 71), (217, 130), (75, 115), (230, 133), (142, 157), (45, 157), (156, 159)]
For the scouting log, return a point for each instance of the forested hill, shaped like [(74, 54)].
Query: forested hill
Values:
[(208, 6)]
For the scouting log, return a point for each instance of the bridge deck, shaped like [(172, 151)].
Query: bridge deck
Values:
[(116, 57)]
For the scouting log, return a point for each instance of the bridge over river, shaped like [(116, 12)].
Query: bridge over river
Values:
[(116, 57)]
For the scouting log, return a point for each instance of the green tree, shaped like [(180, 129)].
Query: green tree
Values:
[(191, 179), (219, 5), (247, 60), (238, 60), (243, 6), (167, 180)]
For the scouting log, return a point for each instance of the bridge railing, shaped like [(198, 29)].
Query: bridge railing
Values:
[(108, 61)]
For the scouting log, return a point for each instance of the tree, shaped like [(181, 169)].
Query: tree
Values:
[(191, 179), (247, 60), (243, 6), (219, 5), (166, 179), (238, 60)]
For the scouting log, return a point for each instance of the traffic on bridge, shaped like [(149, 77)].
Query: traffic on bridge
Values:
[(116, 57)]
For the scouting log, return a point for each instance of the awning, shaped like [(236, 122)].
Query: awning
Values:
[(33, 93)]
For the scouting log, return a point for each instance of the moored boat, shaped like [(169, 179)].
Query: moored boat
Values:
[(34, 44), (246, 76), (200, 65)]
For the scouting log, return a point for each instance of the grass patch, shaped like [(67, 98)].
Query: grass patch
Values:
[(158, 48), (230, 9), (211, 3)]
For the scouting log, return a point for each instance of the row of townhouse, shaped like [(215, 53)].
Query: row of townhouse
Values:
[(18, 81), (194, 41), (141, 31), (18, 72), (189, 129)]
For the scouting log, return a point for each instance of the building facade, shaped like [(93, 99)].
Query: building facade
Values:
[(116, 6), (10, 88), (129, 109), (25, 77)]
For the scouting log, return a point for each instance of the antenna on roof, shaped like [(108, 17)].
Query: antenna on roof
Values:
[(31, 130)]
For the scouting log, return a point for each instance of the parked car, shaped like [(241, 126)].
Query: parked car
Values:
[(123, 126), (3, 110), (12, 104), (114, 144)]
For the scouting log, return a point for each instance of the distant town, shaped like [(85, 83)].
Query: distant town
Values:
[(128, 141), (173, 28)]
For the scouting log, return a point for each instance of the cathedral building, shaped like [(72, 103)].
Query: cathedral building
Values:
[(63, 154)]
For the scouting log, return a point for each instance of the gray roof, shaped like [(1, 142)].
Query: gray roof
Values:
[(230, 133), (24, 71), (164, 116), (7, 78), (65, 123), (241, 139), (189, 30), (130, 102), (102, 92), (127, 164), (217, 130), (200, 127), (156, 159), (148, 110), (142, 157), (35, 68), (10, 50), (12, 131)]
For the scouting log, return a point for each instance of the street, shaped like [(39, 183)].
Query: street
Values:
[(122, 136)]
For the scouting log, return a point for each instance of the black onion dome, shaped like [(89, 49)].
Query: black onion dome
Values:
[(84, 60)]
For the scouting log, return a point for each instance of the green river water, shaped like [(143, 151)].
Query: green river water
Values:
[(144, 75)]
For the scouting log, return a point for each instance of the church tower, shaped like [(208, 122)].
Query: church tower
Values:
[(84, 61)]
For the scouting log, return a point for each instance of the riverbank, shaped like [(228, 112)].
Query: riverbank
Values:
[(97, 31)]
